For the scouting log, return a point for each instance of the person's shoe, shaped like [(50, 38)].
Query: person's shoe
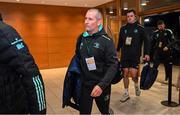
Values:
[(137, 91), (124, 97), (165, 82), (111, 112)]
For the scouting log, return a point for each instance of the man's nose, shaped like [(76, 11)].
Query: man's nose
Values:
[(86, 21)]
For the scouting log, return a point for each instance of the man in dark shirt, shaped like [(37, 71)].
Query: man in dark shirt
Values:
[(98, 62), (131, 38), (160, 43)]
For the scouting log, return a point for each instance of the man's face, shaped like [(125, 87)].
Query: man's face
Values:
[(131, 18), (161, 26), (91, 22)]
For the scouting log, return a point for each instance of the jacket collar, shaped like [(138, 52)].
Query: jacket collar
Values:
[(86, 34)]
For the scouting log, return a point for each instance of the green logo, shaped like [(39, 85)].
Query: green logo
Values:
[(96, 45), (135, 31), (125, 31)]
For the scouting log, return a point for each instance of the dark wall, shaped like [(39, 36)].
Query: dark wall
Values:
[(172, 21)]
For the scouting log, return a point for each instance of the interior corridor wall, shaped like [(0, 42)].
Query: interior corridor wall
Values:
[(49, 31)]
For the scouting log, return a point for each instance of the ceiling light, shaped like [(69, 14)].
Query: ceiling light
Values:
[(125, 6), (147, 20), (18, 0), (111, 10), (143, 3)]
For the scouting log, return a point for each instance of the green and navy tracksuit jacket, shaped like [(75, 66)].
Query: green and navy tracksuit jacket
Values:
[(102, 48)]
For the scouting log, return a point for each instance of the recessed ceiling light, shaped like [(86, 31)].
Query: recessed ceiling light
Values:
[(18, 0), (125, 8), (143, 4), (111, 12), (147, 20)]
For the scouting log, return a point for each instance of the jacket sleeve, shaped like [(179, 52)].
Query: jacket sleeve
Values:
[(120, 40), (146, 42), (78, 43), (173, 43), (18, 57), (171, 38), (111, 62), (153, 41)]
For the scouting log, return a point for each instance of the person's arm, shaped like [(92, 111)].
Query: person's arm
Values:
[(120, 40), (78, 45), (18, 57), (170, 40), (153, 41), (173, 43), (111, 62), (146, 45)]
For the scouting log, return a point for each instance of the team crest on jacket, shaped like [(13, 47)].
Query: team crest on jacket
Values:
[(81, 45), (96, 45), (135, 31), (125, 31), (18, 43), (157, 35)]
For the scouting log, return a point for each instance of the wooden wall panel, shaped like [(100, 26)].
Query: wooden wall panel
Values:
[(42, 60), (49, 31), (59, 59)]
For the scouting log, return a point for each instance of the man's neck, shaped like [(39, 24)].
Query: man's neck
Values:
[(92, 32), (132, 22)]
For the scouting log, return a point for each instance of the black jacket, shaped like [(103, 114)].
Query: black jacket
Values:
[(21, 85), (166, 37), (132, 52), (175, 44), (102, 48)]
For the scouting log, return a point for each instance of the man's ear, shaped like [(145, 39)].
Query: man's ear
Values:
[(136, 17), (99, 22)]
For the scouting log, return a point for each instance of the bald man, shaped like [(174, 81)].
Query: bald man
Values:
[(98, 62)]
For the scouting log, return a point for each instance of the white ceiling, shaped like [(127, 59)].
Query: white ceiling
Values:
[(75, 3)]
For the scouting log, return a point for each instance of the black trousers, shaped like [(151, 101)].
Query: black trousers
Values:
[(166, 59), (5, 110), (102, 101)]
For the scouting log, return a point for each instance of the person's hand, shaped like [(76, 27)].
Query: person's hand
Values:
[(177, 88), (178, 83), (118, 54), (146, 58), (96, 92), (165, 48)]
